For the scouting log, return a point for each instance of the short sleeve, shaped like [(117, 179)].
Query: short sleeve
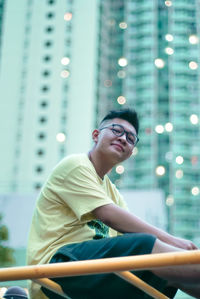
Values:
[(122, 203), (119, 200), (82, 191)]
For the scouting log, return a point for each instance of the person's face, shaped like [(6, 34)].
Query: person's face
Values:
[(117, 147)]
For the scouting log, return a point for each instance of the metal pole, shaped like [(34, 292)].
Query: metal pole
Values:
[(51, 285), (107, 265), (140, 284), (126, 275)]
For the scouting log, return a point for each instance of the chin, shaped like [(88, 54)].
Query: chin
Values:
[(118, 158)]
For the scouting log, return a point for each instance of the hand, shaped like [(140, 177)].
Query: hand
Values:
[(182, 243)]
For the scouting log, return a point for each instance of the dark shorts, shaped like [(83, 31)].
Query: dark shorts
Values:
[(107, 286)]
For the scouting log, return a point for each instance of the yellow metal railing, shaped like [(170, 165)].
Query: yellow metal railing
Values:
[(118, 265)]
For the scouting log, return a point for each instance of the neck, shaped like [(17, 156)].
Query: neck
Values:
[(100, 163)]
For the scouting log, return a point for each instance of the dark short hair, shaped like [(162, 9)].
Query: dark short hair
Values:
[(126, 114)]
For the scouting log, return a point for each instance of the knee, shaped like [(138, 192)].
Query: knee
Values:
[(142, 243), (162, 247)]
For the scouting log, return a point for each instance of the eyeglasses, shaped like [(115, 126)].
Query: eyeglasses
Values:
[(118, 130)]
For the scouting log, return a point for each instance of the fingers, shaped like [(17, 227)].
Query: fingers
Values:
[(191, 246), (194, 246)]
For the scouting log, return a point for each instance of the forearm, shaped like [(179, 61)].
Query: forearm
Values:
[(125, 222)]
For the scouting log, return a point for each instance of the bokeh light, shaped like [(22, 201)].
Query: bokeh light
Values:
[(107, 83), (65, 60), (121, 74), (60, 137), (159, 129), (193, 65), (168, 3), (193, 39), (160, 170), (121, 100), (169, 200), (179, 174), (195, 190), (120, 169), (122, 61), (194, 119), (65, 74), (169, 37), (123, 25), (169, 156), (159, 63), (169, 127), (68, 16), (169, 51), (179, 160)]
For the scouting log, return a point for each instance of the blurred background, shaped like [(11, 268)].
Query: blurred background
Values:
[(63, 65)]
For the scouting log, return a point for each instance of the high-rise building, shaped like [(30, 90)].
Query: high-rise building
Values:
[(47, 86), (110, 49), (156, 71), (2, 2), (184, 98), (48, 55)]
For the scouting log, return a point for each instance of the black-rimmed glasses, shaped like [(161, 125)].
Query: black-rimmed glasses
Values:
[(118, 130)]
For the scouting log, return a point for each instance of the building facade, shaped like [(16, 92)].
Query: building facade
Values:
[(157, 73), (48, 55)]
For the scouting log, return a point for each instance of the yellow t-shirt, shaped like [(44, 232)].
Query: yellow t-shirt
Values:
[(63, 211)]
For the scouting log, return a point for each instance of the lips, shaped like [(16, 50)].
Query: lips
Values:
[(118, 146)]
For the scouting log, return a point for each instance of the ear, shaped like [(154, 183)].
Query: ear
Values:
[(95, 135)]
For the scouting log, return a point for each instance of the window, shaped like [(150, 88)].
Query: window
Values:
[(42, 119), (46, 73), (44, 104), (51, 2), (45, 88), (41, 135), (37, 186), (40, 152), (49, 29), (50, 15), (47, 58), (48, 43), (39, 169)]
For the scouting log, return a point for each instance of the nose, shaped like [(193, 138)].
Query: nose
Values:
[(122, 139)]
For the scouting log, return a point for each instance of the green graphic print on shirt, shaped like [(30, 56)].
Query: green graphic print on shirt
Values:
[(100, 228)]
